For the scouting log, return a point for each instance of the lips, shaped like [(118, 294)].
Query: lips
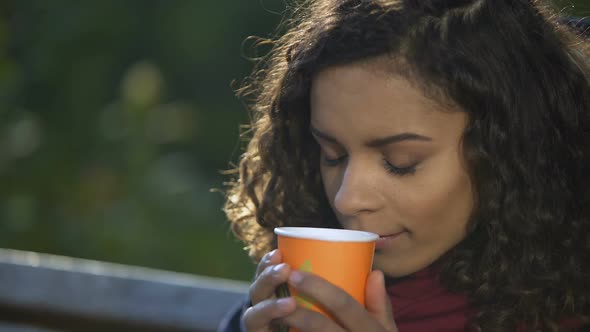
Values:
[(383, 235), (385, 241)]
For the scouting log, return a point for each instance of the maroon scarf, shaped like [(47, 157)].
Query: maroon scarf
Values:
[(420, 303)]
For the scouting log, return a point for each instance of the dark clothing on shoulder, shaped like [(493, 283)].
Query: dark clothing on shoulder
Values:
[(232, 322)]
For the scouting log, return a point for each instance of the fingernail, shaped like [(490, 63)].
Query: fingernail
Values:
[(295, 277), (278, 268), (284, 303), (272, 253)]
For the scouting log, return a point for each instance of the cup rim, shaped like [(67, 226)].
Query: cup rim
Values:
[(326, 234)]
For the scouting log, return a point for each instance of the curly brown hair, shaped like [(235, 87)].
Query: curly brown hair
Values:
[(523, 80)]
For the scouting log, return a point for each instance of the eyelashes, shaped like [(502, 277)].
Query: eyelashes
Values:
[(408, 170), (332, 162), (389, 167)]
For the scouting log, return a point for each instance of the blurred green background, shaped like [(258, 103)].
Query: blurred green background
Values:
[(116, 119)]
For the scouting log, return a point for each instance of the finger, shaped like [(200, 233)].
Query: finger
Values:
[(377, 300), (306, 320), (264, 286), (260, 316), (270, 258), (346, 310)]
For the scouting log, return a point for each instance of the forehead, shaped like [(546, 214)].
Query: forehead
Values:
[(374, 102)]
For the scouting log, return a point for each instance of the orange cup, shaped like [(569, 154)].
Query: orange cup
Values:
[(342, 257)]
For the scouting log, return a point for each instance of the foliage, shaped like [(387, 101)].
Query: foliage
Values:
[(116, 118)]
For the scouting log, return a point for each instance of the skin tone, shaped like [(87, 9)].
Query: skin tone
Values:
[(392, 164), (397, 170)]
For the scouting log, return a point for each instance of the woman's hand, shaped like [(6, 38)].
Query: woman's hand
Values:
[(349, 314), (266, 308)]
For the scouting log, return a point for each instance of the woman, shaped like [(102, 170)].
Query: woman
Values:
[(458, 131)]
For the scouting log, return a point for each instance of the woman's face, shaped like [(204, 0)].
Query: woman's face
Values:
[(391, 163)]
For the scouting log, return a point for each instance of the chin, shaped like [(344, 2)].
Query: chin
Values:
[(393, 268), (396, 268)]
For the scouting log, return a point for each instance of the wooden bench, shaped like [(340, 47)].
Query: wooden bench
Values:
[(42, 293)]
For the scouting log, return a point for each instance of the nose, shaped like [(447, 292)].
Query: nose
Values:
[(358, 190)]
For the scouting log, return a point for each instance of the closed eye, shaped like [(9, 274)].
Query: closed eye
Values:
[(333, 161), (400, 171)]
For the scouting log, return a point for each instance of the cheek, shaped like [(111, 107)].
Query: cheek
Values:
[(439, 201)]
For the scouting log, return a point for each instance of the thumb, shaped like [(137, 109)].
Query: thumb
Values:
[(377, 301)]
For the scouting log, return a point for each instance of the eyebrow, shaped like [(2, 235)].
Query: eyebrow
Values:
[(377, 142)]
